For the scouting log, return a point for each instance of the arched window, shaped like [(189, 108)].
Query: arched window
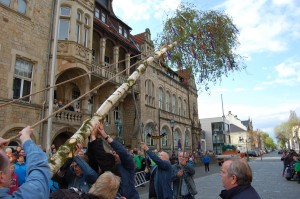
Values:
[(78, 25), (179, 106), (184, 108), (149, 93), (160, 98), (85, 31), (177, 136), (187, 139), (64, 23), (22, 6), (174, 104), (164, 140), (168, 101), (148, 131)]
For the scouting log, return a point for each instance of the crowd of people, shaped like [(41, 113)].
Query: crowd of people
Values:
[(99, 173)]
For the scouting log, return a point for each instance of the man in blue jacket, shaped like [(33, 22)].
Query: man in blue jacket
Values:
[(36, 185), (162, 177), (124, 165)]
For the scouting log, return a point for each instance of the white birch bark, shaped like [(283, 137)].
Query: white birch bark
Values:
[(65, 151)]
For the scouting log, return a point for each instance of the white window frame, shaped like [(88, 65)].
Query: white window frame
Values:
[(23, 78)]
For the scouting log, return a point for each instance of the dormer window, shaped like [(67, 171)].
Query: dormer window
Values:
[(103, 17), (97, 13), (125, 33), (120, 30)]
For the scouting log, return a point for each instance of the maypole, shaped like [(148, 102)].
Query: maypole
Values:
[(65, 151)]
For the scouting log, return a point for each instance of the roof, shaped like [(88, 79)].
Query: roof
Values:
[(234, 128), (139, 38)]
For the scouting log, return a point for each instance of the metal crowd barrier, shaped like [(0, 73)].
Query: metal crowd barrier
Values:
[(140, 178)]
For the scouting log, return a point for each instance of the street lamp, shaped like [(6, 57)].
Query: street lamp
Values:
[(173, 159), (216, 143), (247, 141)]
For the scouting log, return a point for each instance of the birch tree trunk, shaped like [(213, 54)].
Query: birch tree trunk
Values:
[(65, 151)]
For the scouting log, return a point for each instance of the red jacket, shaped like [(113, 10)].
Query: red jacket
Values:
[(13, 183)]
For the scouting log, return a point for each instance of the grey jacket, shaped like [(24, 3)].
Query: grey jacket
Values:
[(188, 173)]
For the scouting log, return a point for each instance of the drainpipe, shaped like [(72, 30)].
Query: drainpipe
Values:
[(46, 76), (52, 79)]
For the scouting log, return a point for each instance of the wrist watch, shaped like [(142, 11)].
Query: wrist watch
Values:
[(107, 137)]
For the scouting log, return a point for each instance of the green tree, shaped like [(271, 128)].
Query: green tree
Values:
[(207, 42)]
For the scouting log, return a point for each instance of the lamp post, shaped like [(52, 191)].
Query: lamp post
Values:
[(173, 159), (247, 140), (216, 143)]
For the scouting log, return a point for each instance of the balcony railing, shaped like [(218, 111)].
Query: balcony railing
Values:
[(69, 117), (108, 74)]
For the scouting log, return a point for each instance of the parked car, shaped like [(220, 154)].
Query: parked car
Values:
[(280, 151), (252, 153)]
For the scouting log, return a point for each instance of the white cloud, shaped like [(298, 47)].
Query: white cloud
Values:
[(284, 70), (264, 25), (136, 10), (239, 89), (258, 88)]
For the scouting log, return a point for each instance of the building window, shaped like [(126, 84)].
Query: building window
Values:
[(120, 30), (149, 93), (85, 31), (168, 101), (164, 140), (149, 129), (22, 79), (65, 11), (187, 139), (184, 108), (117, 113), (176, 138), (125, 33), (5, 2), (174, 104), (103, 2), (78, 16), (22, 6), (85, 37), (64, 23), (97, 13), (179, 106), (86, 20), (103, 17), (75, 93), (106, 60), (78, 33), (160, 98)]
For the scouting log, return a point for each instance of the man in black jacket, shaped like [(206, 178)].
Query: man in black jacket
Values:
[(236, 177)]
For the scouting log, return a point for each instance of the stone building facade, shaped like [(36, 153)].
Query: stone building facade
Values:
[(94, 44)]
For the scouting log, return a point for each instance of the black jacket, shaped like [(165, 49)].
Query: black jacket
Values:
[(240, 192)]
